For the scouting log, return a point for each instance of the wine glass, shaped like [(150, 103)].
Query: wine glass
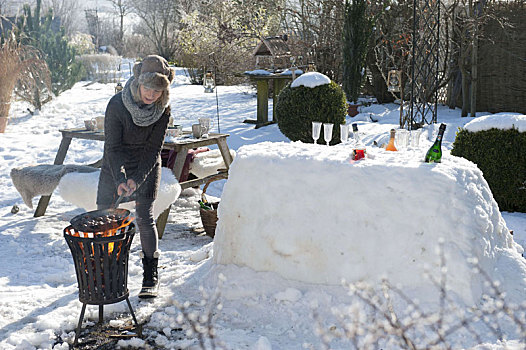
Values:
[(316, 128), (327, 132), (205, 126), (344, 133)]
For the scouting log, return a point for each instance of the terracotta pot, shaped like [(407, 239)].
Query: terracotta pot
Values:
[(352, 109), (3, 124)]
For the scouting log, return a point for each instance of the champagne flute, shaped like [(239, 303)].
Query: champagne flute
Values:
[(327, 132), (402, 138), (344, 133), (316, 128), (355, 134), (415, 137)]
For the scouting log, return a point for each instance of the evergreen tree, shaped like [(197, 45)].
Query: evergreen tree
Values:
[(357, 29), (37, 31)]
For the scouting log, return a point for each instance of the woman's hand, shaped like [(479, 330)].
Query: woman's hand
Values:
[(132, 186), (127, 188)]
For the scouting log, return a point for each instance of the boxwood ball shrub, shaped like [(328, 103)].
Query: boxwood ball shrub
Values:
[(499, 154), (297, 107)]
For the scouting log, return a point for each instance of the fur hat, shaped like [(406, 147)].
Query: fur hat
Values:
[(154, 73)]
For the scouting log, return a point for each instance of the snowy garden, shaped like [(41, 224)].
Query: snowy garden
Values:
[(305, 241), (369, 190)]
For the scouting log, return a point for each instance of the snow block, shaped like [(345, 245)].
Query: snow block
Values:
[(309, 213)]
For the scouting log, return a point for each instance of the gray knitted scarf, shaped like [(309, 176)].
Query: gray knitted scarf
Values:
[(142, 114)]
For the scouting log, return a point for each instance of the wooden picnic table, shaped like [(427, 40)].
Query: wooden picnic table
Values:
[(180, 145)]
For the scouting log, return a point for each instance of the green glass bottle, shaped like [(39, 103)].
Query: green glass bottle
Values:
[(434, 154), (204, 205)]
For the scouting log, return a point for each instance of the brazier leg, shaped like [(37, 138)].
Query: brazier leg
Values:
[(131, 311), (77, 332), (101, 313)]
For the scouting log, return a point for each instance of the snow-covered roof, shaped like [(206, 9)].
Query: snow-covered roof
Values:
[(289, 72), (272, 46), (257, 72)]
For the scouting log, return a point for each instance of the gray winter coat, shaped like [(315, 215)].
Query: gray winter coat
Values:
[(130, 152)]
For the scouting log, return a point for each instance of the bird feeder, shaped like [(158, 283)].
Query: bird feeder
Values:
[(272, 53)]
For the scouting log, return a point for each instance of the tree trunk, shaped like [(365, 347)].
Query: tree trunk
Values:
[(465, 92), (454, 89), (474, 71), (121, 29), (477, 12)]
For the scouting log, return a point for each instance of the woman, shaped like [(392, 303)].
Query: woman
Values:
[(135, 125)]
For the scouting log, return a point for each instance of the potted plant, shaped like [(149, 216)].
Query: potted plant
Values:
[(357, 29), (17, 59), (9, 70)]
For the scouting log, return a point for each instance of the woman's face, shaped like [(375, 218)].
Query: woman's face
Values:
[(149, 96)]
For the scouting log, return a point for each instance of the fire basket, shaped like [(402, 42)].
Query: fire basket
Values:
[(101, 260)]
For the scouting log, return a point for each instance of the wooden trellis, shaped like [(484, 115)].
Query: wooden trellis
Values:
[(424, 63)]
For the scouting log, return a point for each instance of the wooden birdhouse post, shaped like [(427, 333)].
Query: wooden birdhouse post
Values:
[(273, 59)]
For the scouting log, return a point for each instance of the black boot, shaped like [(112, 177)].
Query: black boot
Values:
[(150, 280)]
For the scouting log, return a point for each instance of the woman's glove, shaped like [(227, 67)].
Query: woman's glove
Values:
[(127, 188)]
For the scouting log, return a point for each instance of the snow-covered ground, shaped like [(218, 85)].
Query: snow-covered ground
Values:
[(259, 310)]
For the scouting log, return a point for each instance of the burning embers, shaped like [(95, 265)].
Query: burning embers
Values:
[(100, 242), (101, 221)]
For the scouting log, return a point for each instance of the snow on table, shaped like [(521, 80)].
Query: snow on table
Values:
[(310, 214)]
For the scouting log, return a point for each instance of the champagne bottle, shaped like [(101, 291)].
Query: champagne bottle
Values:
[(434, 154), (204, 205), (391, 146)]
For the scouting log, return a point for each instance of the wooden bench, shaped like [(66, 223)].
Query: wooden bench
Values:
[(181, 146)]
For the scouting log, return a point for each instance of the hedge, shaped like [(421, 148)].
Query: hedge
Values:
[(501, 155), (298, 107)]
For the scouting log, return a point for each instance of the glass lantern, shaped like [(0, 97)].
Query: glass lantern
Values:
[(118, 88), (208, 82), (394, 81)]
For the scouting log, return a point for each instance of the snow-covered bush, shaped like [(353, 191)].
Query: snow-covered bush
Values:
[(103, 68), (298, 107), (83, 43)]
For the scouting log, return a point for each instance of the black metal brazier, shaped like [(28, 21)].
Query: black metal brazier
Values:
[(101, 265)]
